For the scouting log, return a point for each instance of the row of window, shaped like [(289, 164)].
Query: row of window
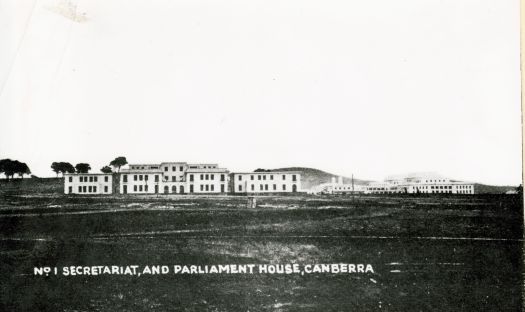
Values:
[(89, 179), (263, 177), (207, 176), (139, 177), (265, 187), (144, 167), (88, 189), (174, 168), (174, 179)]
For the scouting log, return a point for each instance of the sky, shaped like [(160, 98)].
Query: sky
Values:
[(370, 88)]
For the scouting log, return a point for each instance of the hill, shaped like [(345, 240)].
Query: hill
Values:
[(311, 177)]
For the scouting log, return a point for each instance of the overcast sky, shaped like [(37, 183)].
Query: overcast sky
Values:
[(371, 88)]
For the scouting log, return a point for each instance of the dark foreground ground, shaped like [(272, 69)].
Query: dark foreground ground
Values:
[(446, 253)]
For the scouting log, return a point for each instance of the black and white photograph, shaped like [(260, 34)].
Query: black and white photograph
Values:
[(278, 155)]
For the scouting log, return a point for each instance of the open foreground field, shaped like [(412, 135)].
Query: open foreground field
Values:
[(429, 253)]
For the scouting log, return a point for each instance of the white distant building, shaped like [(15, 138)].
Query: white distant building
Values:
[(88, 183), (337, 186), (266, 182), (428, 183)]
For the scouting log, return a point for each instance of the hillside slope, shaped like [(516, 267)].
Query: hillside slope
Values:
[(311, 177)]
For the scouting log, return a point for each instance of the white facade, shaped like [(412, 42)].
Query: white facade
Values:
[(174, 178), (266, 182), (88, 183), (426, 183)]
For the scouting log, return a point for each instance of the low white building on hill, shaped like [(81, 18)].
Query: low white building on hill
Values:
[(88, 183), (428, 183)]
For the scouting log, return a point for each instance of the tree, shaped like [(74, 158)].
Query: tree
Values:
[(82, 168), (67, 168), (55, 166), (118, 162), (106, 169), (11, 167), (21, 168), (62, 167), (7, 167), (262, 170)]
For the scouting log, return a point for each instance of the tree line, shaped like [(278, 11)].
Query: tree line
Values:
[(65, 167), (11, 167)]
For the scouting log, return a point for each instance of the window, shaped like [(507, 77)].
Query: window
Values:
[(251, 177), (173, 179), (258, 177), (212, 177), (134, 188), (173, 168), (145, 177), (253, 187), (222, 177), (106, 179), (140, 188), (275, 187), (180, 168), (90, 179), (266, 187), (165, 168), (125, 177), (207, 187), (70, 179), (94, 189), (145, 188), (240, 188), (96, 179), (271, 177), (284, 177), (202, 177), (80, 189), (202, 187), (294, 177), (240, 178), (81, 179), (84, 189), (90, 189), (156, 178), (207, 177), (105, 189), (140, 177), (261, 187), (191, 177), (211, 188), (284, 187), (135, 178)]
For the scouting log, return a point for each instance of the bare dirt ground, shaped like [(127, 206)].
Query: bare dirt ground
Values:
[(429, 253)]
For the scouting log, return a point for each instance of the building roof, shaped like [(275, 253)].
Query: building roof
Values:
[(270, 172), (204, 170), (88, 174)]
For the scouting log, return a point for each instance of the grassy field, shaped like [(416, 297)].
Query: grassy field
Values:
[(429, 253)]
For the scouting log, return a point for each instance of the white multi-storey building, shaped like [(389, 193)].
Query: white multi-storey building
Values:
[(428, 183), (89, 183), (174, 178), (266, 182), (184, 178)]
